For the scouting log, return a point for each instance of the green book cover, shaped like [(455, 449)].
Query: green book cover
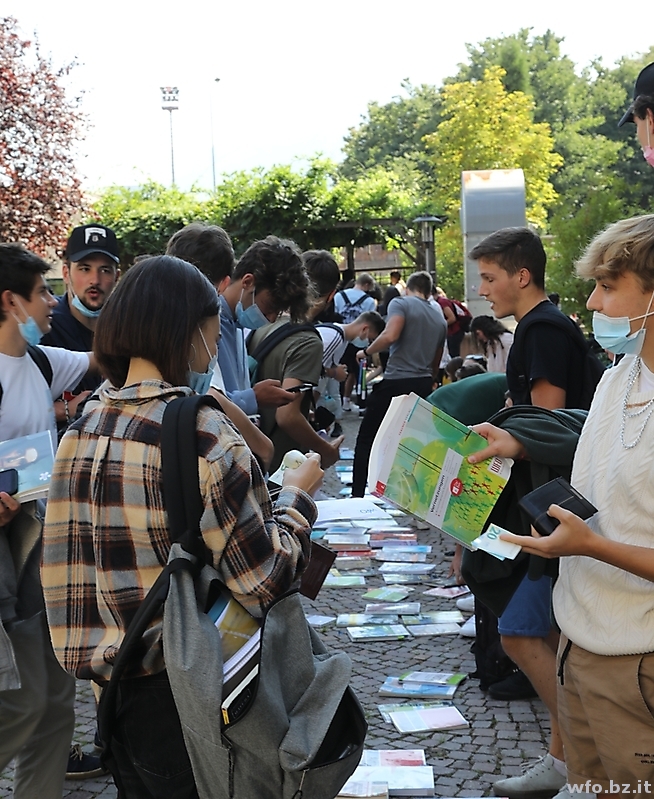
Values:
[(419, 463)]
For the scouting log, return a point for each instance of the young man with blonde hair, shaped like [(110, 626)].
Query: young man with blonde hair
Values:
[(604, 597)]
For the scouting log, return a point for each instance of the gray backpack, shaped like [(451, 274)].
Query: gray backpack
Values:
[(300, 729)]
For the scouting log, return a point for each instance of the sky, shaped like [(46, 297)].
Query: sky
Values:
[(293, 76)]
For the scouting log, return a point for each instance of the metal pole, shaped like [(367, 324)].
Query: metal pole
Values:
[(213, 153), (172, 150)]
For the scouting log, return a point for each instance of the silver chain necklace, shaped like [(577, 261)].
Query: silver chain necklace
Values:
[(647, 407)]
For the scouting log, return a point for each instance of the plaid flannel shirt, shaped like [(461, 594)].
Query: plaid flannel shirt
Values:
[(106, 536)]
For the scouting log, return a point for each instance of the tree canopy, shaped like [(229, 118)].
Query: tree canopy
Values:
[(39, 129)]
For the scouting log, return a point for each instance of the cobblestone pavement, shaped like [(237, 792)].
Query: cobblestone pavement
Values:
[(502, 735)]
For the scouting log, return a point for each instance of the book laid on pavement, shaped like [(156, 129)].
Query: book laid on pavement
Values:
[(351, 541), (402, 780), (408, 579), (433, 677), (33, 458), (449, 592), (419, 461), (361, 619), (407, 568), (449, 628), (393, 757), (399, 555), (416, 690), (349, 562), (390, 593), (377, 632), (439, 718), (316, 620), (386, 710), (335, 510), (344, 581), (363, 788), (433, 617), (375, 608)]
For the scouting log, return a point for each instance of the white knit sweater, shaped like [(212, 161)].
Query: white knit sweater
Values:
[(599, 607)]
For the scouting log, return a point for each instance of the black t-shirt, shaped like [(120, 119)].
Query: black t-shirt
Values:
[(69, 333), (548, 349)]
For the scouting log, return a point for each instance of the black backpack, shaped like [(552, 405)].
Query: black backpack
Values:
[(269, 343), (592, 366), (352, 310)]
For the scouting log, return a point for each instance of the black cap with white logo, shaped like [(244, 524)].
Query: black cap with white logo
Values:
[(644, 85), (89, 239)]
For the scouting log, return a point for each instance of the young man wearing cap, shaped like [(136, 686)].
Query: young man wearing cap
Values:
[(90, 273), (641, 112)]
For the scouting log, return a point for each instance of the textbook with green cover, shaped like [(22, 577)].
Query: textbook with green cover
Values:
[(419, 463)]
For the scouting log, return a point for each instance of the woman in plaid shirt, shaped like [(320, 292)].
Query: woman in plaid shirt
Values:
[(106, 536)]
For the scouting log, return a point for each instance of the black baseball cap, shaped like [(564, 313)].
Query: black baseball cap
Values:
[(644, 85), (89, 239)]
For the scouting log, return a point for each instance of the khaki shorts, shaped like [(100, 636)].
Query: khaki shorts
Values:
[(606, 715)]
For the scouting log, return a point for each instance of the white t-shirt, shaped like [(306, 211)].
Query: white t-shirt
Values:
[(27, 402), (333, 345)]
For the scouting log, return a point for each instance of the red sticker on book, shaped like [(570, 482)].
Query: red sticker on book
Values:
[(456, 487)]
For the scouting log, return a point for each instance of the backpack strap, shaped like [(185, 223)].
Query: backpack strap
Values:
[(42, 361), (265, 347), (183, 500)]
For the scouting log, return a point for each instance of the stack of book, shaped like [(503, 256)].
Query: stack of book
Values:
[(398, 772)]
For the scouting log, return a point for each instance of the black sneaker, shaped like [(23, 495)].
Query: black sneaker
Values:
[(82, 766), (515, 686), (337, 430)]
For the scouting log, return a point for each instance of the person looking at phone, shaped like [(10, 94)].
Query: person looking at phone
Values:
[(295, 362), (36, 696), (604, 598)]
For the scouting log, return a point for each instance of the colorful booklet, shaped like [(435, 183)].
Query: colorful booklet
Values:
[(375, 608), (377, 632), (408, 579), (438, 718), (399, 555), (361, 619), (389, 594), (433, 677), (364, 789), (392, 686), (344, 581), (419, 462), (407, 568), (33, 458), (449, 628), (401, 780), (433, 617), (449, 592)]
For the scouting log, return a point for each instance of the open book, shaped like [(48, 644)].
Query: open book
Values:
[(33, 458), (419, 463)]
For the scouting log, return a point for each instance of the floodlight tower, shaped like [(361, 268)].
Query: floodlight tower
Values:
[(170, 103)]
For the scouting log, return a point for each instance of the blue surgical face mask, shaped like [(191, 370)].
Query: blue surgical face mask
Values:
[(79, 305), (252, 317), (613, 333), (200, 382), (28, 329)]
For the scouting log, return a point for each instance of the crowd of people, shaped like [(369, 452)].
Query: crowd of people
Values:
[(280, 344)]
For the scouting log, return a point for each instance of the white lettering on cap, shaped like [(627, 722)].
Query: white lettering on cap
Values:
[(91, 234)]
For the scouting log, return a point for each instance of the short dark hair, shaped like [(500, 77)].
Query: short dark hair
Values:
[(373, 319), (513, 249), (19, 269), (641, 105), (323, 270), (277, 267), (420, 282), (365, 279), (206, 246), (153, 313), (396, 273)]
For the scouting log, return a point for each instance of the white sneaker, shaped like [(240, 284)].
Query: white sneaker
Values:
[(469, 630), (466, 603), (540, 781), (347, 404)]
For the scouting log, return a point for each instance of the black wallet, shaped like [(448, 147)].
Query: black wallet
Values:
[(556, 492)]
